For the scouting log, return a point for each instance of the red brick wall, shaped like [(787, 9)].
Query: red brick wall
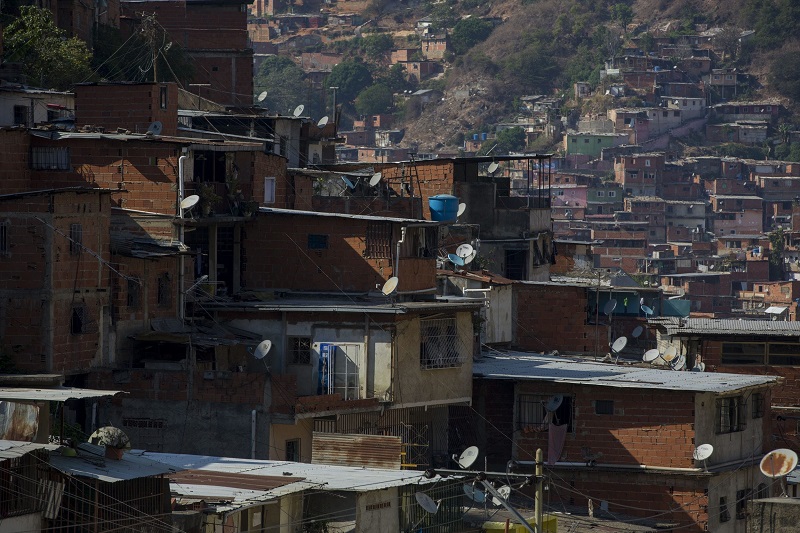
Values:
[(270, 165), (130, 106), (14, 153), (434, 178), (552, 317), (230, 75)]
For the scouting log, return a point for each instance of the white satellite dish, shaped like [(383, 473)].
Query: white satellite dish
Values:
[(778, 463), (670, 353), (298, 110), (651, 355), (348, 183), (679, 363), (461, 208), (474, 494), (456, 260), (323, 122), (375, 179), (390, 286), (553, 402), (155, 128), (619, 344), (648, 311), (471, 257), (427, 503), (467, 457), (637, 332), (262, 96), (609, 307), (703, 452), (493, 167), (504, 492), (189, 201), (262, 349), (699, 366), (464, 251)]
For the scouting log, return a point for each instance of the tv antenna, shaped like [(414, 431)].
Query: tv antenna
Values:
[(298, 110), (702, 453), (323, 122), (777, 464), (155, 128), (375, 179), (262, 96)]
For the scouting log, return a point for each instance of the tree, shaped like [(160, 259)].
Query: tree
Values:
[(623, 14), (376, 46), (394, 78), (507, 140), (351, 77), (784, 74), (286, 86), (469, 32), (49, 58), (777, 243), (374, 100), (727, 40)]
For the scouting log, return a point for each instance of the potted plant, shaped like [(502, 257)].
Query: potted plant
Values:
[(208, 198)]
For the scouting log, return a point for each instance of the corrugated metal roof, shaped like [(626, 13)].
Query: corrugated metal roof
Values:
[(374, 451), (92, 463), (717, 326), (60, 394), (298, 212), (526, 366), (321, 305), (12, 449)]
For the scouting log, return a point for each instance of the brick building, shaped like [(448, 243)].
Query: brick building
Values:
[(130, 106), (640, 174), (624, 437)]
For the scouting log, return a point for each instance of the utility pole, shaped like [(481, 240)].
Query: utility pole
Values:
[(150, 34), (539, 500), (335, 125)]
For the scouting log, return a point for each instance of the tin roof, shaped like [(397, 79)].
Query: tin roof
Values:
[(298, 212), (534, 367), (714, 326), (12, 449), (57, 394), (91, 462)]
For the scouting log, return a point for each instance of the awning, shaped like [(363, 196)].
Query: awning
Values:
[(776, 310)]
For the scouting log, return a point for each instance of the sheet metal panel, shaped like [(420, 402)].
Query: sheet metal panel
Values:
[(373, 451)]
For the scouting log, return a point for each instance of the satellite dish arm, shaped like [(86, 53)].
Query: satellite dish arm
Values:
[(518, 517)]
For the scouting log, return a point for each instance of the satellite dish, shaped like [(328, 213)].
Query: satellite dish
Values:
[(679, 363), (323, 122), (110, 436), (504, 492), (426, 502), (262, 96), (461, 208), (347, 182), (670, 353), (609, 307), (390, 286), (464, 251), (699, 367), (703, 452), (298, 110), (493, 167), (189, 201), (619, 344), (637, 332), (647, 310), (458, 261), (375, 179), (262, 349), (651, 355), (471, 257), (474, 494), (467, 457), (155, 128), (553, 402), (778, 463)]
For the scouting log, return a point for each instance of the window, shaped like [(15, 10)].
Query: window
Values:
[(730, 415), (162, 97), (439, 345), (758, 405), (741, 502), (134, 293), (740, 353), (79, 320), (5, 247), (784, 353), (379, 240), (604, 407), (75, 239), (762, 491), (269, 190), (601, 194), (50, 158), (532, 416), (20, 115), (317, 242), (612, 194), (299, 350), (724, 515), (293, 450), (164, 295)]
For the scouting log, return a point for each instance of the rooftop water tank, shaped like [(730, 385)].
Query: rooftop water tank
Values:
[(444, 207)]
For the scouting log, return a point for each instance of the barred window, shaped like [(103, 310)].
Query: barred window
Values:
[(604, 407), (440, 346), (742, 496), (532, 415), (378, 242), (75, 239), (317, 242), (134, 293), (5, 247), (299, 350), (50, 158), (731, 415), (724, 515), (79, 320)]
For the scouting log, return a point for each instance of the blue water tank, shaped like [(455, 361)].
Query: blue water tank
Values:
[(444, 207), (483, 136)]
